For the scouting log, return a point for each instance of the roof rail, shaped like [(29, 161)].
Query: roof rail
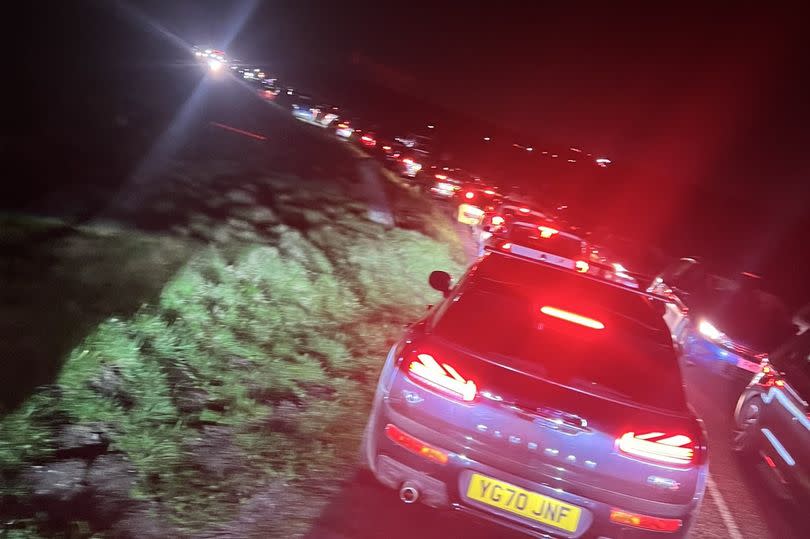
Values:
[(639, 291)]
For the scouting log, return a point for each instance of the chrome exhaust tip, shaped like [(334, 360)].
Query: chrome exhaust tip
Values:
[(408, 493)]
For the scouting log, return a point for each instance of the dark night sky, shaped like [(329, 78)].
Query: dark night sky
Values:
[(705, 109)]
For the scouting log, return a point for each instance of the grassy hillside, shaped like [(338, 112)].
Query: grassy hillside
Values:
[(238, 386)]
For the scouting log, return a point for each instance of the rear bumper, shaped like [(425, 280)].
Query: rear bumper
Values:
[(446, 486)]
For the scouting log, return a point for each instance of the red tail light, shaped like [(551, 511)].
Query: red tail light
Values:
[(525, 210), (659, 447), (441, 177), (415, 445), (498, 220), (469, 195), (506, 246), (442, 377), (645, 522), (574, 318), (769, 377), (489, 192)]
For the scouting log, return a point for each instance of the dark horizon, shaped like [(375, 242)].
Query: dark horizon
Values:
[(704, 120)]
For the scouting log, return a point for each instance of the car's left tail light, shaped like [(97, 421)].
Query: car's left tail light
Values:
[(440, 376), (659, 447)]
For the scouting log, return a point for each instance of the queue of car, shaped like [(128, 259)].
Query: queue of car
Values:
[(517, 397)]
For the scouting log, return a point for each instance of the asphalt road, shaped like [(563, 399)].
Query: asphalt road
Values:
[(738, 502)]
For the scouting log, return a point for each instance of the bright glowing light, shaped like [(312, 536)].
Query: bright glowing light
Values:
[(619, 268), (582, 266), (214, 64), (469, 195), (498, 220), (386, 148), (572, 317), (506, 246), (645, 522), (443, 186), (547, 231), (602, 161), (489, 192), (524, 210), (472, 211), (487, 139), (658, 446), (407, 160), (431, 126), (443, 377), (529, 149), (441, 177), (707, 329)]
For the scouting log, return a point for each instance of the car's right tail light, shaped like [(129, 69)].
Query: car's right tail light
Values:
[(441, 376), (659, 447), (645, 522)]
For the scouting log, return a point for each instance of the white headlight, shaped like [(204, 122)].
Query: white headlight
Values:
[(214, 64), (707, 329)]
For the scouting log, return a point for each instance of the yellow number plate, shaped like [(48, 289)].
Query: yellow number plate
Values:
[(523, 502)]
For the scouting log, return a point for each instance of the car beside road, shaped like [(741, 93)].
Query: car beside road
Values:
[(727, 326), (443, 186), (772, 419), (543, 242), (474, 201), (544, 400)]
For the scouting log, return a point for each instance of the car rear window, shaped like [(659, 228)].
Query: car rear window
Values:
[(557, 244), (631, 358)]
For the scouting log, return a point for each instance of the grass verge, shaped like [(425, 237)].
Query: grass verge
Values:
[(249, 373)]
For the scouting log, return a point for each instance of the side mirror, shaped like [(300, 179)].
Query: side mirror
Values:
[(440, 280)]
